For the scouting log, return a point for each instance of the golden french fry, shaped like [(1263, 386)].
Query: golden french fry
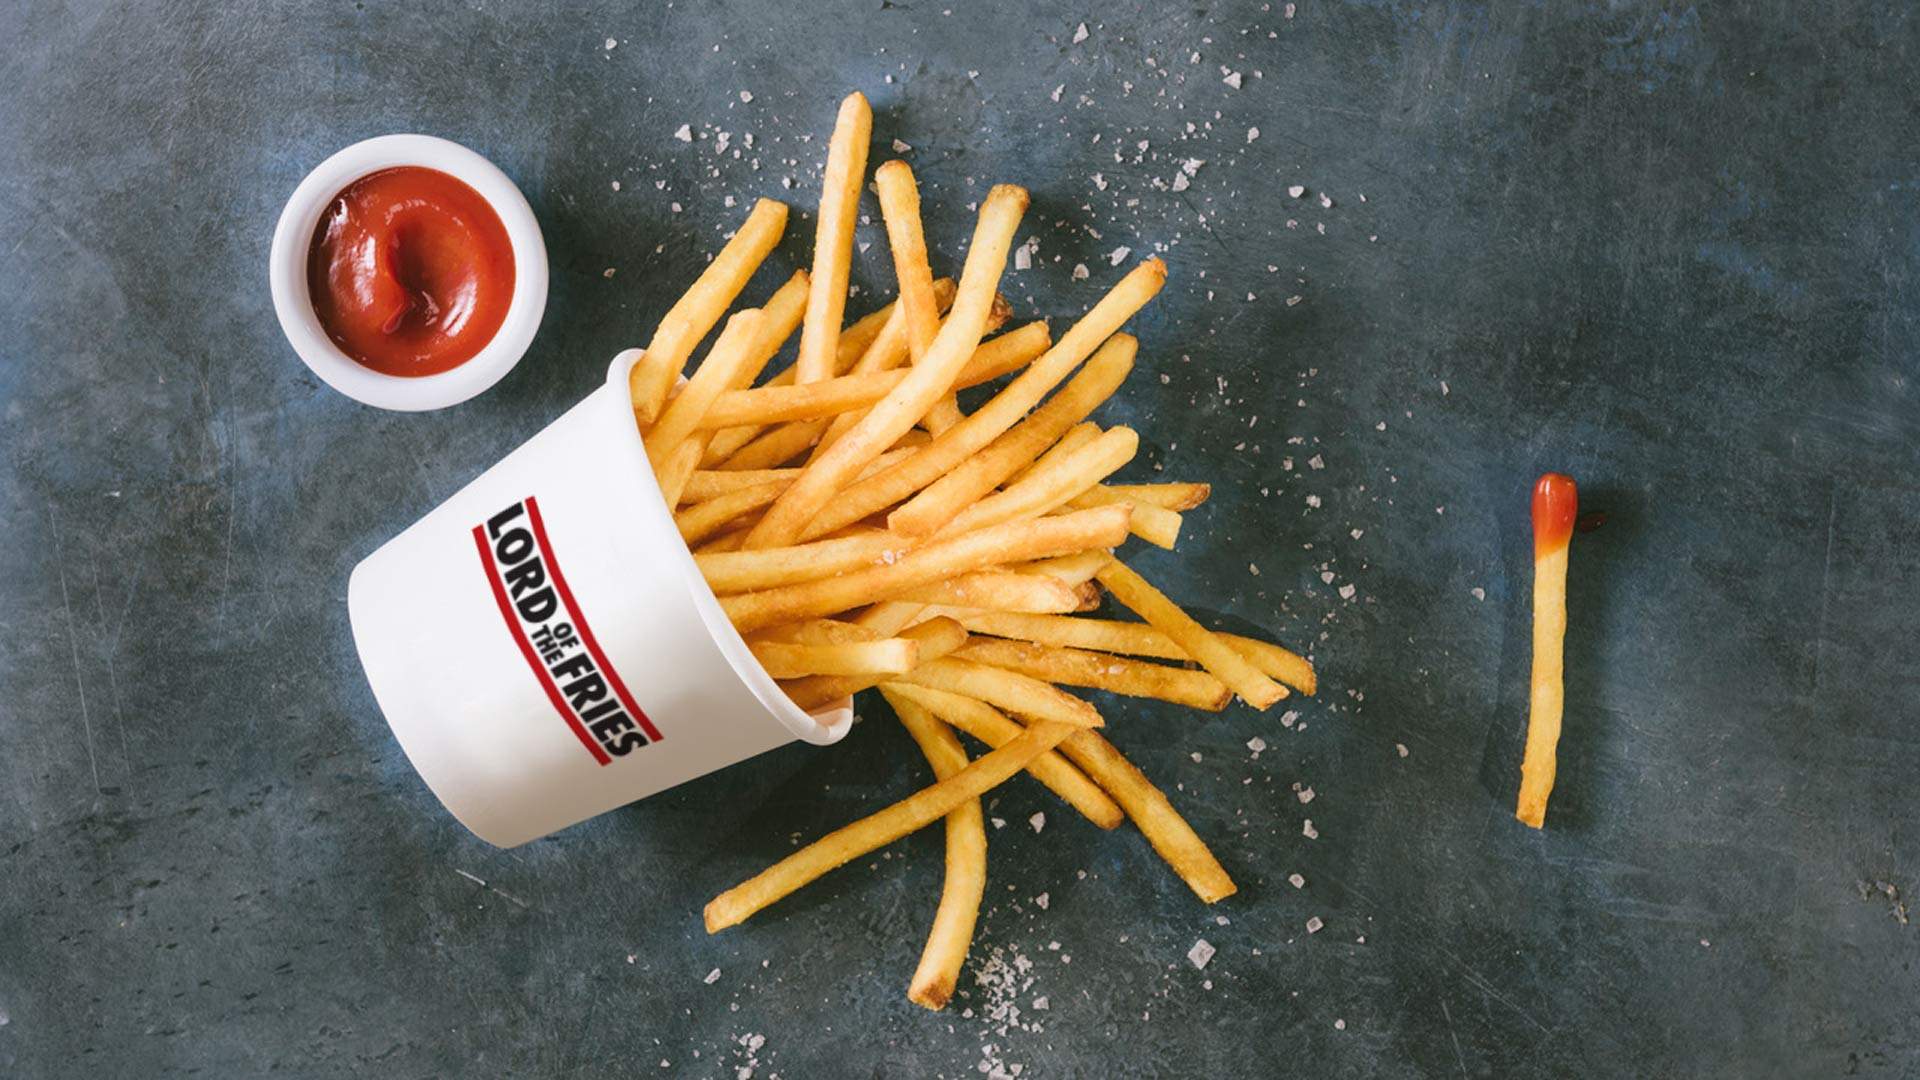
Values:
[(1195, 640), (1151, 522), (840, 185), (704, 519), (794, 660), (1555, 504), (1075, 569), (730, 353), (935, 637), (991, 726), (712, 483), (889, 617), (966, 871), (994, 590), (916, 811), (1014, 541), (777, 445), (1053, 482), (831, 470), (741, 571), (1101, 671), (900, 208), (1133, 639), (700, 308), (1009, 690), (673, 472), (818, 632), (973, 478), (1156, 818), (961, 441), (1175, 497)]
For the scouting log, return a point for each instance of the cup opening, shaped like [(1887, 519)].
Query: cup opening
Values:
[(833, 721), (287, 273)]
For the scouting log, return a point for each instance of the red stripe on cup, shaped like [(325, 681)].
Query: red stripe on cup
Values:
[(580, 622), (526, 647)]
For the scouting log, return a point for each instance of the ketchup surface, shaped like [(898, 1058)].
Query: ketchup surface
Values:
[(1555, 504), (410, 271)]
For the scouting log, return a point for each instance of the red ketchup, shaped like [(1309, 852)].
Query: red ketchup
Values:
[(410, 271), (1555, 505)]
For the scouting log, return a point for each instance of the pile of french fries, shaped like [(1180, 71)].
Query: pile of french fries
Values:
[(862, 531)]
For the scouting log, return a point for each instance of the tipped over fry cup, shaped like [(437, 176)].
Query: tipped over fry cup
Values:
[(545, 649)]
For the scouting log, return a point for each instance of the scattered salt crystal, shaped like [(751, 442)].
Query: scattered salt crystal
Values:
[(1038, 821), (685, 133), (1080, 33), (1314, 925), (1200, 953), (999, 823), (1316, 462), (746, 97), (612, 44), (1400, 748), (1443, 388), (1041, 1002), (1042, 901), (1022, 258), (713, 976), (1307, 830), (608, 272), (1296, 881), (1232, 79), (616, 185), (1221, 920), (1292, 300), (1339, 1025), (1080, 273), (1326, 577), (1357, 533), (1478, 593), (1313, 500), (1256, 744), (1119, 255), (1287, 11), (1326, 201), (1296, 190), (1287, 718), (1347, 591), (1254, 569), (1180, 182), (1058, 90), (1305, 794), (1253, 133), (900, 146)]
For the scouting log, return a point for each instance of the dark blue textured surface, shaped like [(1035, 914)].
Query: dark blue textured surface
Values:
[(1671, 250)]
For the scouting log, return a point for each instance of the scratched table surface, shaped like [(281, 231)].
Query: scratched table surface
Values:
[(1670, 250)]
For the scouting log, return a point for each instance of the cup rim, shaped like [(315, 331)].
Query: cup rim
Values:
[(287, 274)]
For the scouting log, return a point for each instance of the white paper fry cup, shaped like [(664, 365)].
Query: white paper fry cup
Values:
[(544, 648)]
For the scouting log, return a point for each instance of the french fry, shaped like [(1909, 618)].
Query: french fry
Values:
[(889, 617), (1052, 484), (1195, 640), (712, 483), (1133, 639), (673, 472), (995, 590), (828, 472), (1014, 541), (900, 208), (1009, 690), (704, 519), (730, 353), (818, 632), (946, 497), (966, 871), (896, 352), (1175, 497), (1155, 817), (840, 185), (1075, 569), (777, 445), (793, 660), (729, 572), (986, 423), (1101, 671), (991, 726), (700, 308), (1555, 503), (1151, 522), (916, 811), (935, 637)]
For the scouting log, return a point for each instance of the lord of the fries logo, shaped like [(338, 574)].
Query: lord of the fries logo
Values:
[(553, 635)]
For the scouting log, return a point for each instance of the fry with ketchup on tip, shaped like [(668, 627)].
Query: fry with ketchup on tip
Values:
[(1555, 505)]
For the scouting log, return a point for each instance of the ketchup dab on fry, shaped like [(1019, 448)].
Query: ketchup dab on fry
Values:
[(1556, 503)]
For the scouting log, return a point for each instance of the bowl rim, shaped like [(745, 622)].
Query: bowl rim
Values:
[(287, 274)]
